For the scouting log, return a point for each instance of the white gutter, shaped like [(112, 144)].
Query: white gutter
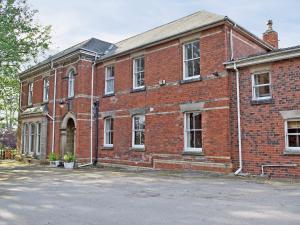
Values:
[(237, 75), (54, 108)]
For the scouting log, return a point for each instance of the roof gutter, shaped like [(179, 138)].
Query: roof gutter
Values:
[(265, 58)]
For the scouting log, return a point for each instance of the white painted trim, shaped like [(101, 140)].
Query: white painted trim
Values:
[(184, 60), (187, 149), (105, 80), (133, 73), (255, 98), (133, 130), (104, 136)]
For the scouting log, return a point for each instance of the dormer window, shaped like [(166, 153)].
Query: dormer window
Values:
[(71, 83)]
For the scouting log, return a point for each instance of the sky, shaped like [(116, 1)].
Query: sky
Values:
[(74, 21)]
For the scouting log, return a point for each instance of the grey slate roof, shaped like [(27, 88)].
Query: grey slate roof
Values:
[(92, 44), (185, 24)]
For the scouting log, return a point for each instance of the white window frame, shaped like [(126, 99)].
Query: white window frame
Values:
[(30, 138), (30, 93), (254, 86), (107, 79), (38, 127), (287, 148), (71, 82), (133, 132), (106, 120), (46, 89), (186, 60), (135, 73), (186, 148)]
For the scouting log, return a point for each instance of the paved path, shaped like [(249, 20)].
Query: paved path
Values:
[(43, 196)]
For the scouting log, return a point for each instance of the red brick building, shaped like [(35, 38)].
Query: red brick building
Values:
[(165, 99)]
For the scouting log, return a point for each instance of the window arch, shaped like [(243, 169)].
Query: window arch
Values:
[(71, 79)]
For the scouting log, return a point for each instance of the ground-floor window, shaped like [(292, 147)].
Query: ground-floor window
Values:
[(31, 138), (293, 135), (108, 132), (193, 131), (138, 131)]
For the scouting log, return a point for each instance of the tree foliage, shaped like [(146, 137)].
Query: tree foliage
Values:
[(22, 39)]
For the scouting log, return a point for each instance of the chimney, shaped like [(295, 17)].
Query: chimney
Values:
[(271, 36)]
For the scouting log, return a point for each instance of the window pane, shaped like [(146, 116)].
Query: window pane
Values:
[(294, 141), (192, 139), (293, 124), (264, 91), (188, 139), (110, 86), (188, 51), (262, 78), (137, 138), (191, 121), (142, 137), (198, 139), (142, 64), (197, 118), (142, 122), (196, 67), (189, 68), (196, 49)]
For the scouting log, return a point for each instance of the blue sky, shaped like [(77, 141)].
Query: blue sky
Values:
[(74, 21)]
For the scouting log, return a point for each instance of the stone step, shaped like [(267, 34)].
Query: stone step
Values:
[(192, 165)]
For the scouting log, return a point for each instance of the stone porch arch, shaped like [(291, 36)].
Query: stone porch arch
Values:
[(64, 132)]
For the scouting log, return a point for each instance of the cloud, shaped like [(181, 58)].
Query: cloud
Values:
[(114, 20)]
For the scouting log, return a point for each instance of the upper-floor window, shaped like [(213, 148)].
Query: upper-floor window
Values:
[(109, 79), (138, 131), (193, 131), (293, 135), (71, 80), (261, 86), (30, 93), (138, 73), (108, 132), (46, 90), (191, 60)]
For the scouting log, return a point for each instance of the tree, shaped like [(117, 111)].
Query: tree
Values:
[(22, 39)]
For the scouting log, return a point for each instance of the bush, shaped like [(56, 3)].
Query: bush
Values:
[(53, 156), (69, 157)]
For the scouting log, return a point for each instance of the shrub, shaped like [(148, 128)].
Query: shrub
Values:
[(53, 156)]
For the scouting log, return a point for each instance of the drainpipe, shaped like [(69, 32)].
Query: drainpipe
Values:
[(54, 107), (96, 107), (237, 75)]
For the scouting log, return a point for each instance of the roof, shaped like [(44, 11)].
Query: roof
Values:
[(271, 56), (182, 25), (93, 45)]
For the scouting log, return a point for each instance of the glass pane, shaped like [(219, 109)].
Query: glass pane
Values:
[(142, 122), (110, 86), (107, 125), (142, 65), (191, 121), (262, 78), (136, 123), (187, 122), (137, 138), (293, 124), (188, 51), (192, 139), (196, 50), (198, 139), (264, 91), (111, 124), (294, 140), (189, 69), (107, 138), (142, 137), (142, 79), (196, 67), (197, 118)]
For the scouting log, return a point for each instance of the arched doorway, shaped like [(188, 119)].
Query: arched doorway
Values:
[(70, 142), (68, 134)]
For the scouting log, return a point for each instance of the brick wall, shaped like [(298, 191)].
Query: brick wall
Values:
[(263, 134)]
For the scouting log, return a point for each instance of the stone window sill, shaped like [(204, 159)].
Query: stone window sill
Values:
[(192, 153), (262, 101), (187, 81), (107, 148), (138, 90), (289, 152), (137, 149), (108, 95)]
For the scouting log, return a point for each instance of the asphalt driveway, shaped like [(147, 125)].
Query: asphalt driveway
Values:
[(44, 196)]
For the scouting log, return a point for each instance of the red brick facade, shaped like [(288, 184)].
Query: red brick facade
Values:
[(162, 104)]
